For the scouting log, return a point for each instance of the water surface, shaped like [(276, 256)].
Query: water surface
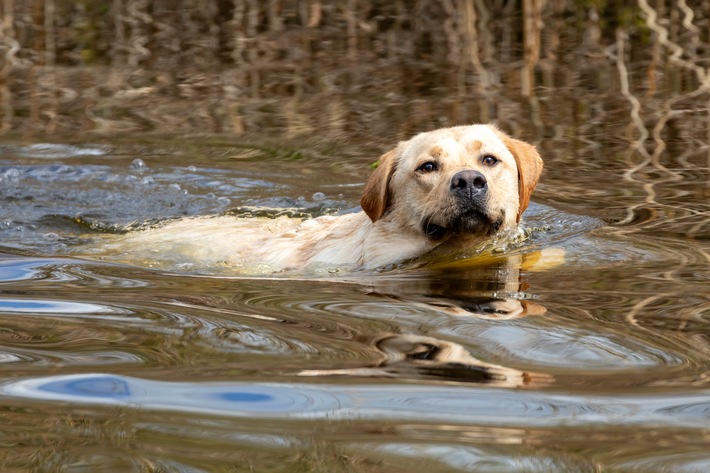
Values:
[(583, 347)]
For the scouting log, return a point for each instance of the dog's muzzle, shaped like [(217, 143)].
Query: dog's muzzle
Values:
[(469, 190)]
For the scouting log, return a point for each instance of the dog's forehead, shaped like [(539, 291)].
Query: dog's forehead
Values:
[(472, 138)]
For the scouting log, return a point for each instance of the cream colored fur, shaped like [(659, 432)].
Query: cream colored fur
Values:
[(399, 203)]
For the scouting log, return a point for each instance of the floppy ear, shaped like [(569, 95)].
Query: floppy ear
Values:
[(376, 196), (529, 168)]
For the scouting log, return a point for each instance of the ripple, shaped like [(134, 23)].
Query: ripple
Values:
[(20, 269), (474, 459), (51, 271), (60, 151), (11, 357), (411, 403), (231, 399), (700, 409), (36, 191), (56, 308), (332, 304), (232, 337), (88, 358), (575, 348), (221, 327), (57, 173), (680, 462)]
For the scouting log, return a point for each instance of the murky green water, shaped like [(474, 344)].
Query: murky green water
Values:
[(583, 348)]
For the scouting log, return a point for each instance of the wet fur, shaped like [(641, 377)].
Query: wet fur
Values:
[(406, 213)]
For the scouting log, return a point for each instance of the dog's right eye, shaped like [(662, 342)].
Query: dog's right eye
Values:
[(428, 167)]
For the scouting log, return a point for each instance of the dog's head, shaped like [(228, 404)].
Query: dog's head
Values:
[(472, 180)]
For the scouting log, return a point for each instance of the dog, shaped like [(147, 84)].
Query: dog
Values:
[(450, 187)]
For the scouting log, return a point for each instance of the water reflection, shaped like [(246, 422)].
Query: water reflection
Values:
[(12, 269), (486, 307), (411, 403), (56, 308), (415, 351), (475, 322), (415, 356)]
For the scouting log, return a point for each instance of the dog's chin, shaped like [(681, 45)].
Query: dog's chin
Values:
[(472, 222)]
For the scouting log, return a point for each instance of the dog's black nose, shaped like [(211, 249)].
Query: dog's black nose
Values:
[(469, 181)]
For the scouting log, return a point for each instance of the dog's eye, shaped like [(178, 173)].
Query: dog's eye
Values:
[(489, 160), (428, 167)]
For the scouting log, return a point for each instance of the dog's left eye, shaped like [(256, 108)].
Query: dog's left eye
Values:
[(428, 167), (489, 160)]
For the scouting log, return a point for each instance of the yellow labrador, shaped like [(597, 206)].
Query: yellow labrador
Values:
[(455, 186)]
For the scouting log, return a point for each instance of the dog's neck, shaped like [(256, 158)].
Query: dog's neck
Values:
[(355, 240), (386, 239)]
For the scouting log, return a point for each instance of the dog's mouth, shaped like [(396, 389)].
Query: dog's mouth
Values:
[(434, 231), (472, 222)]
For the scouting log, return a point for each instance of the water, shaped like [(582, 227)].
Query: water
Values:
[(550, 356), (583, 347)]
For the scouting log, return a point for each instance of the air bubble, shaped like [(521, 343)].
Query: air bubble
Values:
[(223, 201), (192, 168), (175, 186), (138, 165), (12, 173), (51, 236), (318, 196)]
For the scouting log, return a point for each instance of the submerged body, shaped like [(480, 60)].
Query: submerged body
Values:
[(272, 244)]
